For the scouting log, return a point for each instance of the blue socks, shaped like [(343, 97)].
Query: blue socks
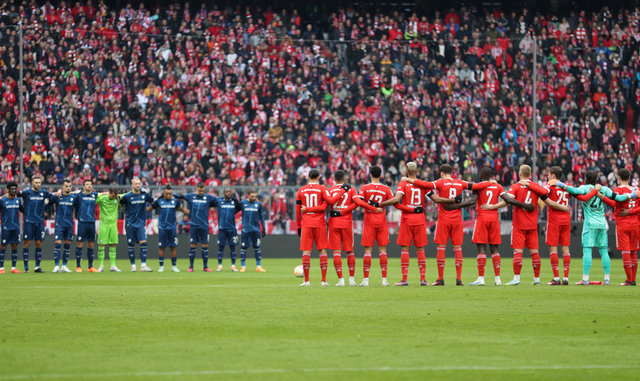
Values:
[(220, 255), (14, 258), (56, 254), (258, 255), (78, 256), (192, 256), (243, 257), (38, 256), (233, 255), (1, 257), (161, 260), (143, 252), (25, 258), (90, 256), (174, 261), (65, 253), (205, 257), (132, 254)]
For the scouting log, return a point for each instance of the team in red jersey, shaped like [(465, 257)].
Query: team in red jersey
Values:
[(449, 225), (375, 227), (526, 197)]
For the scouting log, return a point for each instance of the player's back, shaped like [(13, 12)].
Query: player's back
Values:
[(489, 196), (628, 204), (594, 208), (375, 192), (311, 196), (86, 206), (561, 197), (523, 219), (449, 188), (413, 197), (10, 210), (343, 203), (251, 213)]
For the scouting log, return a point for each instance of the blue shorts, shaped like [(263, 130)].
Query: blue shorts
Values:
[(33, 231), (251, 239), (63, 233), (10, 236), (135, 234), (227, 237), (86, 231), (199, 235), (167, 238)]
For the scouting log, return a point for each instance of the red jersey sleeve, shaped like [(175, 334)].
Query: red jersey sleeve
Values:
[(326, 195), (298, 210), (541, 191), (358, 201), (424, 184), (316, 209), (404, 208), (606, 200), (480, 186)]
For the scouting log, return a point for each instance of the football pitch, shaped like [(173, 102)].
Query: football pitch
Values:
[(263, 326)]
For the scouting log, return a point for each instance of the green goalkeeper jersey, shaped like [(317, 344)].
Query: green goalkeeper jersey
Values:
[(594, 208), (108, 209)]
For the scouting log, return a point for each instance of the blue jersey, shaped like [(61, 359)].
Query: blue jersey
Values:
[(10, 208), (33, 204), (199, 207), (252, 216), (227, 214), (86, 206), (64, 209), (166, 212), (135, 208)]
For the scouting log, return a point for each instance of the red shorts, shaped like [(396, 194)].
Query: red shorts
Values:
[(486, 232), (446, 230), (310, 235), (370, 235), (524, 239), (558, 235), (626, 238), (415, 233), (341, 239)]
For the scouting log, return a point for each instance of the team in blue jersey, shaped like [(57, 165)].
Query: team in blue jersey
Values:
[(81, 206), (167, 233)]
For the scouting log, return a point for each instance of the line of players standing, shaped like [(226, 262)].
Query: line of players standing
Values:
[(136, 203), (526, 196)]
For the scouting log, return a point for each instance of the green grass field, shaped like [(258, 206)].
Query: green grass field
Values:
[(263, 326)]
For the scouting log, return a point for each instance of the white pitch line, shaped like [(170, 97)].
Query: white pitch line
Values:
[(313, 370)]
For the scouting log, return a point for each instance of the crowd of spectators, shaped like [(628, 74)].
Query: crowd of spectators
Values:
[(240, 95)]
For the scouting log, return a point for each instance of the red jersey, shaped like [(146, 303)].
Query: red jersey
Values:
[(449, 188), (311, 196), (620, 206), (379, 193), (560, 196), (344, 204), (489, 196), (413, 196), (529, 195)]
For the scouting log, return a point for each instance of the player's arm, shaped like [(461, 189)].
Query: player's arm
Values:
[(326, 195), (408, 209), (571, 190), (633, 211), (470, 201), (349, 209), (420, 183), (496, 206), (512, 201), (298, 212), (237, 205), (393, 201), (153, 205), (315, 209), (358, 201), (554, 205), (537, 188), (262, 221), (441, 200), (480, 186)]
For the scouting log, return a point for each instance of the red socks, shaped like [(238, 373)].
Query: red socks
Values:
[(351, 262), (535, 261), (566, 263), (495, 258), (366, 267), (626, 263), (517, 263), (422, 265), (457, 251), (634, 265), (555, 264), (306, 263), (383, 264), (404, 264), (482, 262), (323, 266), (440, 261), (337, 263)]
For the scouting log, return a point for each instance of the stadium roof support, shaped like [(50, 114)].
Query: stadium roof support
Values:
[(21, 100)]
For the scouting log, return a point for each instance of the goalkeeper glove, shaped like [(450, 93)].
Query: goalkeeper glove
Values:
[(560, 184)]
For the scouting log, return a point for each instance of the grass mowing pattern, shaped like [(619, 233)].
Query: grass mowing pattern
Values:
[(263, 326)]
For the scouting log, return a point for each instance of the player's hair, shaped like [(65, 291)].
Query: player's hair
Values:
[(446, 168), (590, 177), (525, 170), (485, 173), (167, 187), (412, 168), (556, 171), (375, 171), (113, 190), (339, 175), (65, 181), (135, 178), (251, 190), (12, 185), (314, 174), (200, 185), (87, 181), (624, 174), (36, 177)]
